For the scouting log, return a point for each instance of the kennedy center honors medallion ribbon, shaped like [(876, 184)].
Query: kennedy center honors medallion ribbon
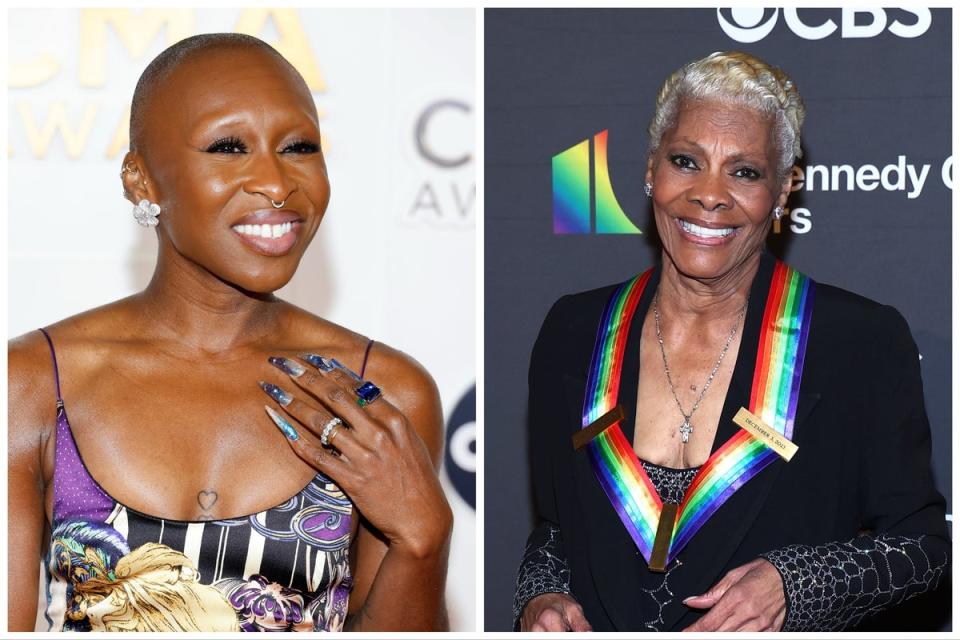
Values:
[(773, 400)]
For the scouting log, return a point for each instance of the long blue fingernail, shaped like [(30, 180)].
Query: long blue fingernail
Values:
[(319, 362), (276, 393), (288, 366), (282, 424), (340, 365)]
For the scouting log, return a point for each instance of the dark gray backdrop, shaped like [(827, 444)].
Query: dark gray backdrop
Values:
[(556, 77)]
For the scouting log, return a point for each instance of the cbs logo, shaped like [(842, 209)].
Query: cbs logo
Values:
[(747, 24), (460, 457)]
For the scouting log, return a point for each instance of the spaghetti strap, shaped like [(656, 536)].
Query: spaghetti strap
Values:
[(363, 367), (74, 490), (56, 371)]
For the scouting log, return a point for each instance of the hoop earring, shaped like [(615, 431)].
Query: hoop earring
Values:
[(146, 212)]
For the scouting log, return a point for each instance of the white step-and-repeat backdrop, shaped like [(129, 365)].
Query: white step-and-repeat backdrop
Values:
[(395, 92)]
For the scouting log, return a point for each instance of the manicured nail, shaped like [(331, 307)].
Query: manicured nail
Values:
[(282, 424), (319, 362), (287, 365), (347, 369), (689, 598), (276, 393)]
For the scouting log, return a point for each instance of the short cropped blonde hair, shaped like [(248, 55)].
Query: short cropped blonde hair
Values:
[(741, 78)]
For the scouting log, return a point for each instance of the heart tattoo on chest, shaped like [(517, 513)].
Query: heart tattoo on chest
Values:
[(207, 499)]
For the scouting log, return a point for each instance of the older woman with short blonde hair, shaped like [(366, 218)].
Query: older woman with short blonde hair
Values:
[(721, 443)]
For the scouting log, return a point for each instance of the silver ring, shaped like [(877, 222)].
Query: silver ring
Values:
[(328, 429), (275, 205)]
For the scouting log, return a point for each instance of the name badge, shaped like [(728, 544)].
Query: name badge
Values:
[(765, 433)]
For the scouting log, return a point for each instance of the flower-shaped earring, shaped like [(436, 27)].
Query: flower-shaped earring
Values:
[(777, 213), (146, 212), (648, 189)]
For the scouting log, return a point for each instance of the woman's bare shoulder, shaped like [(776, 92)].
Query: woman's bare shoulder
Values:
[(31, 383), (405, 382), (31, 397), (305, 330), (402, 369), (87, 327), (350, 347)]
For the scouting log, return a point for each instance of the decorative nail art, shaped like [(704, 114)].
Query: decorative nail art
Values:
[(345, 368), (319, 362), (276, 393), (287, 365), (282, 424)]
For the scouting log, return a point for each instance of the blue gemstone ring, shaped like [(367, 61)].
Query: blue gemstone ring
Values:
[(367, 393)]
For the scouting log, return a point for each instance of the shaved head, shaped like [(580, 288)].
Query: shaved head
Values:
[(170, 59)]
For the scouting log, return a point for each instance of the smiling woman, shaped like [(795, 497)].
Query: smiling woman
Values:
[(243, 151), (174, 499), (716, 437)]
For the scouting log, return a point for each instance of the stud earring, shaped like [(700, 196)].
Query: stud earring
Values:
[(777, 212), (648, 189), (146, 212)]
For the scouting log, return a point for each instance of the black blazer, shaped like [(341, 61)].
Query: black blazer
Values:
[(863, 462)]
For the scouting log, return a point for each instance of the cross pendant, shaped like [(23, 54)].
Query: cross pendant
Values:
[(685, 430)]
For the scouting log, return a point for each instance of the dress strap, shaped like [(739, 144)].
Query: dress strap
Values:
[(363, 367), (75, 493), (56, 370)]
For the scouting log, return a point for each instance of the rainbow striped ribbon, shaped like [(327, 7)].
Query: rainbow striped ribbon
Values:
[(773, 398)]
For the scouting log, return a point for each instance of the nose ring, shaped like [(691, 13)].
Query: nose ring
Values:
[(277, 205)]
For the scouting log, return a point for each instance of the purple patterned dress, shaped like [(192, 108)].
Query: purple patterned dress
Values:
[(112, 568)]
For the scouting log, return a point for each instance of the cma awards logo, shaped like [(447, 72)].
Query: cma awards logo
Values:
[(571, 192), (460, 458), (749, 24), (447, 193)]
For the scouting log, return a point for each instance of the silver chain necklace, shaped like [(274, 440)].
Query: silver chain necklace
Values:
[(685, 427)]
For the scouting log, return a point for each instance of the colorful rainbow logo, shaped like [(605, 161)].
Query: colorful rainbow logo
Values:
[(571, 192)]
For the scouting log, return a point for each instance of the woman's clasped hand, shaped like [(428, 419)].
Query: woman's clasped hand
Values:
[(554, 612), (748, 598), (372, 452)]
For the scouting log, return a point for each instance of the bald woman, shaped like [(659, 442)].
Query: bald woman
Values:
[(230, 461)]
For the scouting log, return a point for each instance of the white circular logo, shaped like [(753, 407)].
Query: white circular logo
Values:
[(747, 27)]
